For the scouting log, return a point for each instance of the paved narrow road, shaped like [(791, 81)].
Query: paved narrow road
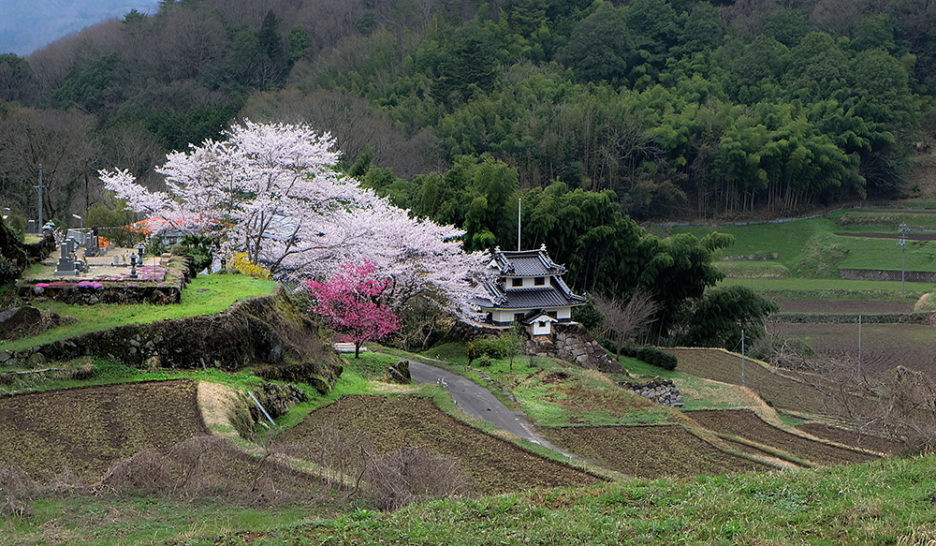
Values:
[(476, 401)]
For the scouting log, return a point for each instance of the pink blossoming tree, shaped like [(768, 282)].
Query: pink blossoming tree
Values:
[(351, 303), (272, 190)]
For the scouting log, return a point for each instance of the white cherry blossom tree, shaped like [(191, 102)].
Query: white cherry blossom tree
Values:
[(272, 190)]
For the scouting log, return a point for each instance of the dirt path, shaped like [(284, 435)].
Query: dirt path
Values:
[(476, 401)]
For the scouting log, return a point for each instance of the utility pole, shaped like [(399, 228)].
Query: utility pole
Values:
[(859, 346), (39, 187), (742, 357), (519, 222), (903, 229)]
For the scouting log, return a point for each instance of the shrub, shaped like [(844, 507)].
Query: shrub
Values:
[(484, 361), (610, 346), (200, 249), (411, 474), (472, 352), (492, 346), (656, 357), (8, 271), (156, 245), (241, 264), (588, 315)]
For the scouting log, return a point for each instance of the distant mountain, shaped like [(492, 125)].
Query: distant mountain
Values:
[(28, 25)]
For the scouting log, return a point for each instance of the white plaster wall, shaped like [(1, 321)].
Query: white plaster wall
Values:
[(541, 331), (528, 282)]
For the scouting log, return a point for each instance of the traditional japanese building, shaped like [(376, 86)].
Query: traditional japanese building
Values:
[(528, 289)]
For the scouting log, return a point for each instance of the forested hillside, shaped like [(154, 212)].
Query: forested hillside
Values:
[(680, 108)]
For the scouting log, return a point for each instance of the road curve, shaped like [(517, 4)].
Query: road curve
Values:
[(476, 401)]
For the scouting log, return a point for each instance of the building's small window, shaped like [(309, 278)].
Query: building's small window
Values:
[(539, 281), (542, 324), (516, 281)]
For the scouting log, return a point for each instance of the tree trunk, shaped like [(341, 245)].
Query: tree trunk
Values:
[(357, 349)]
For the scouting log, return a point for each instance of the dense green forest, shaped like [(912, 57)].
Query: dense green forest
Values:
[(596, 113)]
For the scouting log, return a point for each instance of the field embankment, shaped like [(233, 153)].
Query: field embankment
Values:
[(796, 391), (380, 424), (748, 426), (650, 451)]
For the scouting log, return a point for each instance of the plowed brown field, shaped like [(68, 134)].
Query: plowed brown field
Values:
[(883, 346), (851, 438), (85, 430), (650, 451), (381, 424), (746, 424), (801, 392)]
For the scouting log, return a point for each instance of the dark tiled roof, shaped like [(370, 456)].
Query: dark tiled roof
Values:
[(527, 298), (526, 263), (566, 291), (534, 316)]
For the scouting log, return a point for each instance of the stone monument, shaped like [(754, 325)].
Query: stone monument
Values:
[(66, 264)]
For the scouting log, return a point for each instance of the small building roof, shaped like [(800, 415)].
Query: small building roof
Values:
[(528, 298), (537, 317), (525, 263)]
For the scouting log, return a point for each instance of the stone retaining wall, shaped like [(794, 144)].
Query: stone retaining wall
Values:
[(91, 291), (572, 343), (852, 318), (37, 252), (886, 275), (251, 332), (661, 391)]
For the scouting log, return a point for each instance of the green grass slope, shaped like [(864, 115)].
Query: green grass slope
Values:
[(205, 295), (881, 502)]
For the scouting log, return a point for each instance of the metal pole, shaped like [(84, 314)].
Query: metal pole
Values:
[(903, 253), (39, 187), (742, 357), (257, 402), (859, 345), (903, 229), (519, 216)]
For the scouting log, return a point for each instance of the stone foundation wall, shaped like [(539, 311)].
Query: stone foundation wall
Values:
[(571, 342), (886, 275), (661, 391), (36, 252), (251, 332), (91, 292), (838, 318)]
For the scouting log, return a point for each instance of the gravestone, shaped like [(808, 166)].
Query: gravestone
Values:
[(66, 265), (91, 245), (31, 227)]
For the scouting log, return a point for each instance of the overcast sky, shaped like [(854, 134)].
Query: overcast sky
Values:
[(27, 25)]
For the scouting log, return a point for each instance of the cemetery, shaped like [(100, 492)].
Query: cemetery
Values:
[(86, 269)]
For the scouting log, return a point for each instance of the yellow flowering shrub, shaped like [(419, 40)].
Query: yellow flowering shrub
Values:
[(241, 264)]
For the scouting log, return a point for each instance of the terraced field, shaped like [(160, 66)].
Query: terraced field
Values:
[(800, 392), (381, 424), (851, 438), (85, 430), (883, 346), (650, 451), (747, 425)]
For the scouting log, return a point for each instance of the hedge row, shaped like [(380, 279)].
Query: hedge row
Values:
[(650, 355)]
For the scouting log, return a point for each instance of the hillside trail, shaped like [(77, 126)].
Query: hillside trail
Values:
[(476, 401)]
